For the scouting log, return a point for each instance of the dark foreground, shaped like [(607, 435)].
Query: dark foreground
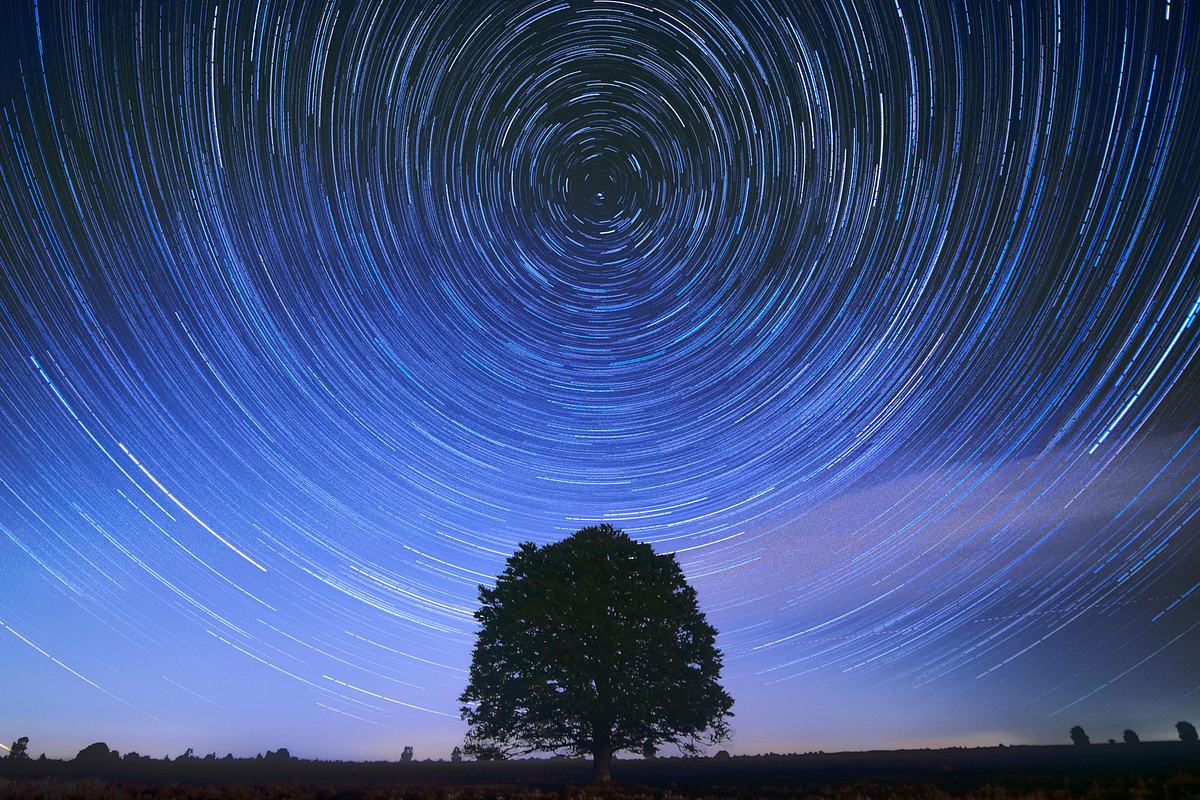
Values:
[(1152, 770)]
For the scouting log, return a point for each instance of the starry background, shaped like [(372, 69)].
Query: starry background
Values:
[(881, 315)]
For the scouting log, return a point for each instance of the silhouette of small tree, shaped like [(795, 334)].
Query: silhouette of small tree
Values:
[(407, 755), (1131, 737), (20, 749), (591, 645), (1079, 736), (456, 754), (1186, 731), (97, 753)]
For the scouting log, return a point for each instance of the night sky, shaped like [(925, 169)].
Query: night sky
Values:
[(881, 315)]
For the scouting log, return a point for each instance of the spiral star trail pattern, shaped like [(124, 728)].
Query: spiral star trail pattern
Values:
[(883, 316)]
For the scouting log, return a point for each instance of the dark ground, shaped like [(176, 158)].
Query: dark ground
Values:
[(1151, 770)]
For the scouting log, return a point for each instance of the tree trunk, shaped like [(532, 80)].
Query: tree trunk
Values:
[(602, 753), (602, 765)]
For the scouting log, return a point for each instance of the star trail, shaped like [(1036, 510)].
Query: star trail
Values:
[(881, 315)]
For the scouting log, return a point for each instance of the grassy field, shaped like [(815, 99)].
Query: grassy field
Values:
[(1149, 771)]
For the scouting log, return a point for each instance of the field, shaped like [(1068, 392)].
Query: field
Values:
[(1150, 771)]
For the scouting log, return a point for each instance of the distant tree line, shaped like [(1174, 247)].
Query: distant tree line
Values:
[(99, 753), (1186, 731)]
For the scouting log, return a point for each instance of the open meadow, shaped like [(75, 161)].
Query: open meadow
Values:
[(1153, 771)]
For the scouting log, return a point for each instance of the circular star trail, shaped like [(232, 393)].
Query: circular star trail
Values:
[(883, 316)]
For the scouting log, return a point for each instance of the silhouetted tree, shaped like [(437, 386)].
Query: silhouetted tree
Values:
[(593, 644), (456, 754), (185, 755), (407, 755), (97, 753), (1079, 736), (649, 750), (1131, 737), (20, 749), (1186, 731), (722, 754)]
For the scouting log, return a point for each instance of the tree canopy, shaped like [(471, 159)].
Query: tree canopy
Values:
[(592, 645)]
